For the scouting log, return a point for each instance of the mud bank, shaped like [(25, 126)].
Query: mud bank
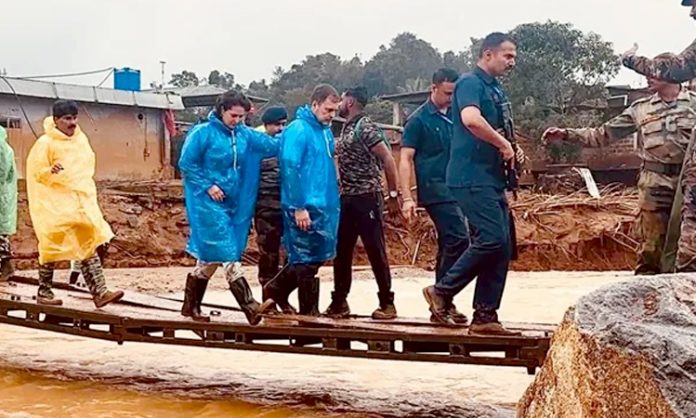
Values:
[(555, 232)]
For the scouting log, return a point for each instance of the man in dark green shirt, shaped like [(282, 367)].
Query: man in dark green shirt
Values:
[(476, 177), (425, 150)]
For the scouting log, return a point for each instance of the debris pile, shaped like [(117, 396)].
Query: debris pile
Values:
[(555, 231)]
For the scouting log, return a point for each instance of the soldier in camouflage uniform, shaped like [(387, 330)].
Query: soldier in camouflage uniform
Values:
[(663, 123), (268, 220), (679, 68), (675, 68)]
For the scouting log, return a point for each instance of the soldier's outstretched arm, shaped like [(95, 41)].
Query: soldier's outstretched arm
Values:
[(617, 128), (676, 69)]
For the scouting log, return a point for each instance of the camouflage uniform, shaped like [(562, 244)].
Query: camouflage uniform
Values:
[(5, 247), (6, 269), (686, 248), (268, 220), (676, 69), (663, 134)]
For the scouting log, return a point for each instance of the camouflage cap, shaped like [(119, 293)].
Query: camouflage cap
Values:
[(687, 2)]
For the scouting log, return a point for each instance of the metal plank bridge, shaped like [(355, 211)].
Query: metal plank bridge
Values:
[(151, 319)]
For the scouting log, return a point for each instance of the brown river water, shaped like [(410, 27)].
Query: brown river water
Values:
[(44, 374)]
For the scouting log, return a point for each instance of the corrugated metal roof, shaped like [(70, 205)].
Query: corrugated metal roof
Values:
[(205, 95), (416, 97), (50, 90)]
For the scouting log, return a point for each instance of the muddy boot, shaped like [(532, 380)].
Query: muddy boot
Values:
[(242, 294), (276, 293), (386, 309), (486, 323), (438, 306), (45, 294), (338, 309), (456, 316), (6, 269), (308, 294), (48, 298), (191, 306), (93, 274), (107, 298), (201, 287)]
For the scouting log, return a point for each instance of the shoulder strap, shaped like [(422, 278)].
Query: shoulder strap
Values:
[(358, 137)]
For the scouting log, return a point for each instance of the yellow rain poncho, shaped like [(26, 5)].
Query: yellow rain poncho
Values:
[(63, 207)]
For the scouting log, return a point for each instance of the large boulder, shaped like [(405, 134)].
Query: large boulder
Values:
[(624, 351)]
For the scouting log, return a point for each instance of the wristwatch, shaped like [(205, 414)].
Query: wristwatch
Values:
[(393, 194)]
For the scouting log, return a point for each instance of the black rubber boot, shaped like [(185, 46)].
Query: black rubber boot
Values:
[(308, 294), (6, 269), (277, 291), (386, 309), (191, 307), (242, 293), (201, 287), (339, 308), (74, 275)]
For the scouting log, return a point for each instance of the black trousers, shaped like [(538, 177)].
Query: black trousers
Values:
[(269, 230), (301, 277), (361, 216)]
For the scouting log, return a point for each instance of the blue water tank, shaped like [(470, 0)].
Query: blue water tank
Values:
[(127, 79)]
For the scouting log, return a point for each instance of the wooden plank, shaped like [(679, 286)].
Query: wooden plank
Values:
[(143, 318)]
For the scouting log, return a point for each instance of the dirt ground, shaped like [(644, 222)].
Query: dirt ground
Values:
[(570, 232)]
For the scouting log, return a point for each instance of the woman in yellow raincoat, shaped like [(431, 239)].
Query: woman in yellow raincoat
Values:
[(63, 204)]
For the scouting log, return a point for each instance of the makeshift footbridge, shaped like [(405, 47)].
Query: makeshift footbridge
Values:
[(152, 319)]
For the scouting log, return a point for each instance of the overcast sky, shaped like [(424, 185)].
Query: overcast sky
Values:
[(250, 38)]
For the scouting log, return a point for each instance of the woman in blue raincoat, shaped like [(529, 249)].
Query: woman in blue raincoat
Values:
[(220, 163), (309, 201)]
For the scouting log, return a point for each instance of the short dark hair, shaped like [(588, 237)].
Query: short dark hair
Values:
[(64, 107), (230, 99), (322, 92), (493, 41), (445, 75), (359, 94)]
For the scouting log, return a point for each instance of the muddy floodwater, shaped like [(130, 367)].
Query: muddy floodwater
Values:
[(51, 375)]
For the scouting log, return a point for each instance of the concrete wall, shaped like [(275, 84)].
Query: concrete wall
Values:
[(130, 143)]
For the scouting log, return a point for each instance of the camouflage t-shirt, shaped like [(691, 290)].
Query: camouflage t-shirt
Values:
[(359, 169)]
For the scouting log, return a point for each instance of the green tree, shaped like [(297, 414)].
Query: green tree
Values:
[(414, 85), (380, 111), (560, 71), (406, 57), (222, 80), (462, 61), (184, 79)]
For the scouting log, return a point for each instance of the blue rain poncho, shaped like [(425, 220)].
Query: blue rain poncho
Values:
[(308, 181), (213, 154)]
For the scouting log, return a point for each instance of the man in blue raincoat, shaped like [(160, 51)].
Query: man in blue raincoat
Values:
[(309, 201), (220, 162)]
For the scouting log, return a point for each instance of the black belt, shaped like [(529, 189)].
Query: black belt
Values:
[(660, 168)]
